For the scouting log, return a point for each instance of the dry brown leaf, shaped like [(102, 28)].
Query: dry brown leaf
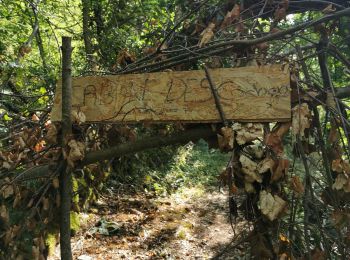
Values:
[(124, 57), (15, 231), (224, 177), (7, 238), (6, 165), (248, 187), (341, 166), (265, 165), (21, 142), (17, 200), (149, 50), (206, 35), (329, 9), (301, 119), (271, 205), (274, 30), (7, 189), (198, 27), (56, 183), (262, 46), (35, 252), (76, 152), (285, 4), (35, 118), (46, 204), (280, 14), (255, 150), (342, 182), (39, 146), (240, 26), (282, 128), (4, 214), (346, 167), (30, 203), (340, 218), (274, 139), (337, 165), (246, 133), (231, 16), (24, 50), (234, 189), (280, 169), (274, 142), (333, 136), (225, 139), (78, 117), (283, 256), (296, 185), (249, 168), (51, 136)]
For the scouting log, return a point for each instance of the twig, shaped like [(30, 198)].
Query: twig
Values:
[(216, 97)]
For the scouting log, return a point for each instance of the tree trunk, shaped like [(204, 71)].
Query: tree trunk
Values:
[(87, 32), (65, 174)]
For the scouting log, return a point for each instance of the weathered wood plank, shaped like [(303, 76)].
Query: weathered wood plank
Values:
[(250, 94)]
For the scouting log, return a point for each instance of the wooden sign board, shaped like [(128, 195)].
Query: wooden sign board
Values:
[(248, 94)]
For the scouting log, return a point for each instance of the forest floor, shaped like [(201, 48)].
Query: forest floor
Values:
[(190, 224)]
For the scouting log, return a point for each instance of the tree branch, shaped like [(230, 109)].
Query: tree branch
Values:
[(234, 43), (45, 171)]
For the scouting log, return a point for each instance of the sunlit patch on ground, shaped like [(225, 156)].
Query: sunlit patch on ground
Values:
[(191, 224)]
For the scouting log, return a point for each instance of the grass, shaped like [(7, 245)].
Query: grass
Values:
[(193, 165)]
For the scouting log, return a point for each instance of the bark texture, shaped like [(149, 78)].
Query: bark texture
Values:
[(65, 174)]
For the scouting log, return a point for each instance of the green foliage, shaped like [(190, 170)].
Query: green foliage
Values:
[(192, 165)]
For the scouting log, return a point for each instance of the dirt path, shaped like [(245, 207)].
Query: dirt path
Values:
[(189, 225)]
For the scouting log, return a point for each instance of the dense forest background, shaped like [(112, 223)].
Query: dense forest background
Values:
[(288, 182)]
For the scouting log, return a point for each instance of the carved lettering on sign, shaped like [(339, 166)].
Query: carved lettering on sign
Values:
[(246, 94)]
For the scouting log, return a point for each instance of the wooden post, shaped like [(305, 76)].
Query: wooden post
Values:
[(65, 174)]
